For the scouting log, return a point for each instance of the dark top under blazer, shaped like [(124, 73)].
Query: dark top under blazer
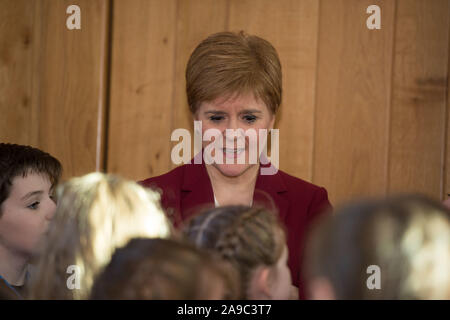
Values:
[(187, 190)]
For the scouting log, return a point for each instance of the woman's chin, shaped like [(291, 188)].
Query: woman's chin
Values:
[(232, 170)]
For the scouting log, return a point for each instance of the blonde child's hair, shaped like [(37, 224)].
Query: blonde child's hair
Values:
[(95, 214)]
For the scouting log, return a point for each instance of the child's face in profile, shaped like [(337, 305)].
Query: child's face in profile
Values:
[(281, 288), (26, 214)]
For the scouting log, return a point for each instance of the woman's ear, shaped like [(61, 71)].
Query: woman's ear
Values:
[(259, 288)]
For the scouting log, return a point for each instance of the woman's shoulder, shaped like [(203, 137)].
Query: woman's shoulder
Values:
[(299, 185), (306, 193), (172, 178)]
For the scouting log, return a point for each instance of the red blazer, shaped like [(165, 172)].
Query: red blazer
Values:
[(187, 190)]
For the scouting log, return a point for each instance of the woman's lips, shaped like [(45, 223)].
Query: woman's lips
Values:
[(233, 153)]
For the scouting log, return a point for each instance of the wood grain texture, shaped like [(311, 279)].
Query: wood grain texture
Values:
[(364, 112), (353, 97), (291, 27), (446, 143), (419, 97), (58, 98), (19, 47), (71, 85), (141, 87)]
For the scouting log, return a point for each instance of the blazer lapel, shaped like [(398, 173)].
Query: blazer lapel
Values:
[(196, 190), (269, 190), (197, 193)]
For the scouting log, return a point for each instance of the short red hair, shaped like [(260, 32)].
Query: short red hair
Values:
[(228, 63)]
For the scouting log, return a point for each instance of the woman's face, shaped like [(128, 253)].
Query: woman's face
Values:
[(238, 112)]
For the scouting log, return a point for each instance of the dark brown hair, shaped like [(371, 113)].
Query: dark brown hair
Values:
[(228, 63), (163, 269), (248, 237), (16, 160)]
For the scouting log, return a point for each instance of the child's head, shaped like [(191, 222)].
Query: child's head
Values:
[(27, 178), (160, 269), (96, 214), (402, 244), (253, 240)]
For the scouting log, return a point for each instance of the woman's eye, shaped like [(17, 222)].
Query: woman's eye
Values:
[(34, 205), (250, 119), (215, 118)]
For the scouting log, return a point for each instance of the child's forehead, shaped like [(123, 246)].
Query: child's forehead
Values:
[(31, 181)]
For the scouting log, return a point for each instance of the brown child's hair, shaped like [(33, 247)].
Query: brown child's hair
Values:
[(163, 269), (248, 237), (406, 236), (19, 160)]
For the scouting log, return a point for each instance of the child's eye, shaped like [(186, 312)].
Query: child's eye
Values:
[(34, 205), (215, 118), (250, 119)]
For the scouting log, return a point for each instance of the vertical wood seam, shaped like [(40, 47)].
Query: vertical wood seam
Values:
[(316, 79), (391, 98), (40, 68), (35, 67), (102, 96), (227, 17), (444, 168), (174, 74), (108, 82)]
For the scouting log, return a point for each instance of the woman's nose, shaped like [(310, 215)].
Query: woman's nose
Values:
[(233, 124)]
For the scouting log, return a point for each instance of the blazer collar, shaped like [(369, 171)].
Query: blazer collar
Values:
[(194, 176), (272, 182), (198, 192), (269, 193)]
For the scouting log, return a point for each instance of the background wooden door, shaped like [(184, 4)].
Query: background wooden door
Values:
[(365, 112)]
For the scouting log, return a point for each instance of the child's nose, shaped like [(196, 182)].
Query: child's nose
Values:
[(51, 210)]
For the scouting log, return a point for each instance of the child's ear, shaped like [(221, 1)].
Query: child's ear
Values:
[(260, 284), (321, 289)]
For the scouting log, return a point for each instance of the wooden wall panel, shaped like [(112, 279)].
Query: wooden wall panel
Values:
[(196, 19), (142, 69), (291, 26), (18, 49), (72, 85), (58, 98), (419, 97), (446, 145), (353, 95), (364, 111)]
